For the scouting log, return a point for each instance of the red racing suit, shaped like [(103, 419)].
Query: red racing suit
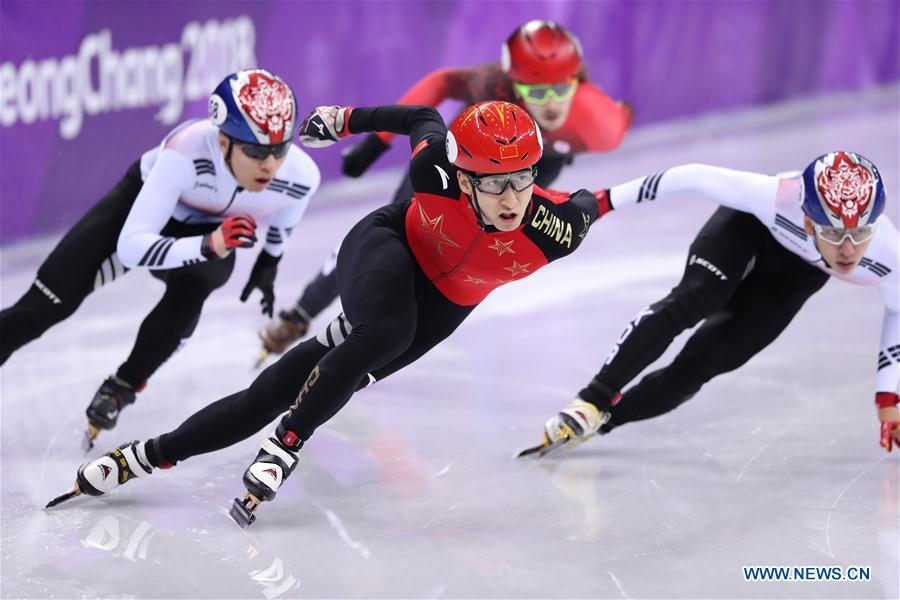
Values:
[(464, 260), (596, 123)]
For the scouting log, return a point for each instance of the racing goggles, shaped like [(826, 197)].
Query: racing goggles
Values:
[(541, 93), (260, 152), (496, 184), (837, 235)]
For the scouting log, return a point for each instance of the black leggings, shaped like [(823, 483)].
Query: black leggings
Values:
[(392, 316), (85, 259), (742, 316)]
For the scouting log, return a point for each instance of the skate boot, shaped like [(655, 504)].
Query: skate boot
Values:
[(276, 460), (281, 333), (571, 426), (104, 474), (103, 411)]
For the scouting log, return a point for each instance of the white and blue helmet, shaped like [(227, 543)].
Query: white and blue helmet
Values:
[(254, 107), (842, 189)]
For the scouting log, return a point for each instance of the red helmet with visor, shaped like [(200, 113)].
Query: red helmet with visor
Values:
[(541, 52), (494, 137)]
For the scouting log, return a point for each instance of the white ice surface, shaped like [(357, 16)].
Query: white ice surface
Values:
[(412, 491)]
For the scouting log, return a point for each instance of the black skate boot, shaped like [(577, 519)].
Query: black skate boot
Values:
[(276, 460), (103, 411), (104, 474), (281, 333)]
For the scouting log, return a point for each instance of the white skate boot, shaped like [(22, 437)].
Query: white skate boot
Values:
[(275, 461), (574, 424), (102, 475)]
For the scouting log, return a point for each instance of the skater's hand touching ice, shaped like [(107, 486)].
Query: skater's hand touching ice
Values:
[(889, 416)]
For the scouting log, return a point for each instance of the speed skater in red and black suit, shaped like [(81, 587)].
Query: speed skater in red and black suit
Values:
[(409, 274), (542, 69)]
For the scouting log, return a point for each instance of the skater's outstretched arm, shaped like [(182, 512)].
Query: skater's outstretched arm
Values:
[(417, 122), (326, 125), (754, 193), (432, 90), (887, 378)]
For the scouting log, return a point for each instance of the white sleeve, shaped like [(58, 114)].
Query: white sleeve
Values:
[(749, 192), (888, 375), (284, 221), (140, 244)]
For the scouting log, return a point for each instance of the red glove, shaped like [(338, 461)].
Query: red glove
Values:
[(890, 433), (603, 202), (236, 231), (890, 419)]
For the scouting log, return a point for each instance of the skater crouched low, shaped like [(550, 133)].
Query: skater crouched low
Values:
[(774, 242), (180, 211), (409, 274)]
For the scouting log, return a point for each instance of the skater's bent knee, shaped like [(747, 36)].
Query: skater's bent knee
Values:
[(389, 338), (688, 305)]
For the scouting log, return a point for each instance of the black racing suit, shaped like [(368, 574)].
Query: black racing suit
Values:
[(84, 259), (393, 311), (741, 314)]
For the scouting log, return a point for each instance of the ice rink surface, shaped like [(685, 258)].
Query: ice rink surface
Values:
[(412, 492)]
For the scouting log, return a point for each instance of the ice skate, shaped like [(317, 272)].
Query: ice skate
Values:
[(103, 411), (102, 475), (573, 425), (542, 449), (281, 333), (276, 460)]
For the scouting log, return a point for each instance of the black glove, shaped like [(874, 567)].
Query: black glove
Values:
[(262, 277), (359, 157)]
